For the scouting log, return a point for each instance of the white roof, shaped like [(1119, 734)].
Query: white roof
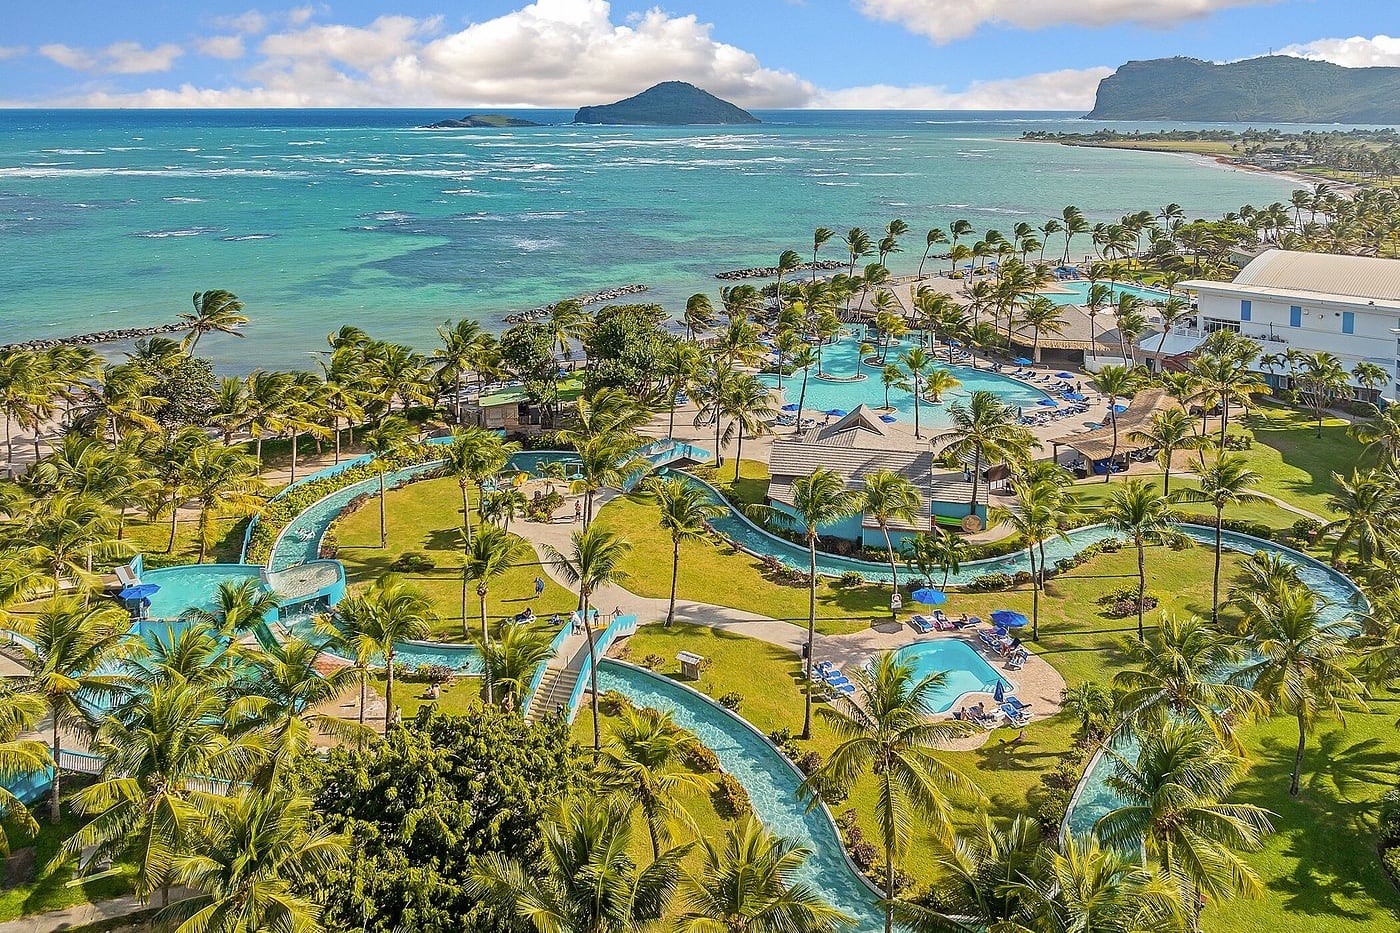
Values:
[(1321, 276)]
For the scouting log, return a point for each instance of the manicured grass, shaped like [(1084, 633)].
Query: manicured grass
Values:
[(149, 538), (460, 699), (751, 487), (50, 890), (425, 517), (716, 573), (1296, 465), (1093, 496)]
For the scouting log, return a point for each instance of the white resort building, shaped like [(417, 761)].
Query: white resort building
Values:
[(1307, 302)]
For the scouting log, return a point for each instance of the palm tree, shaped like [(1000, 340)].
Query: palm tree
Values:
[(1115, 382), (491, 554), (69, 668), (1301, 664), (890, 733), (393, 611), (63, 535), (224, 481), (935, 237), (1168, 431), (1088, 887), (512, 658), (917, 362), (1042, 316), (644, 762), (1091, 703), (820, 237), (1369, 507), (1381, 434), (160, 747), (983, 878), (1034, 519), (214, 310), (748, 883), (280, 702), (684, 512), (473, 457), (804, 358), (238, 608), (748, 402), (889, 496), (389, 441), (1180, 674), (256, 854), (892, 377), (19, 758), (1225, 483), (595, 559), (940, 382), (699, 315), (352, 632), (584, 877), (1175, 807), (1142, 515), (460, 344), (818, 499), (987, 428), (677, 369)]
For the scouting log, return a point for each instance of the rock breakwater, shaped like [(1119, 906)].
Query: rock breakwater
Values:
[(768, 272), (101, 336), (607, 294)]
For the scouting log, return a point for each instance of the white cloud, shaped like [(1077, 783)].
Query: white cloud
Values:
[(11, 51), (945, 20), (120, 58), (1070, 89), (550, 53), (249, 24), (227, 47), (1354, 52)]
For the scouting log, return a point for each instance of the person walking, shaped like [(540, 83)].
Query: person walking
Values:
[(539, 586)]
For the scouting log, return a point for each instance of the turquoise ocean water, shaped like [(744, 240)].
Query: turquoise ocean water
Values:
[(317, 218)]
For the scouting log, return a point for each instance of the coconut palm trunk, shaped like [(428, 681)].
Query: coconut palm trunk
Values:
[(1142, 583), (811, 627), (592, 672), (485, 644), (54, 792), (388, 686), (1215, 576), (675, 573), (383, 528)]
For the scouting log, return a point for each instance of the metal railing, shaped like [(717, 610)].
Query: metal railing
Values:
[(620, 627)]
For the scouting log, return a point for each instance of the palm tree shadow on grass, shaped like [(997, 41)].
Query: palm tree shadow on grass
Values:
[(1333, 815)]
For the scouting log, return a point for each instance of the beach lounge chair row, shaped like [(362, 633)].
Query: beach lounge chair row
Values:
[(830, 676), (1011, 711)]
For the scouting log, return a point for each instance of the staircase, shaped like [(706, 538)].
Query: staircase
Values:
[(554, 692)]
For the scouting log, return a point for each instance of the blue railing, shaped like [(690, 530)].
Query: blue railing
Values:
[(620, 627), (554, 646)]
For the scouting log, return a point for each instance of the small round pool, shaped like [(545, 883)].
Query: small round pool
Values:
[(963, 670)]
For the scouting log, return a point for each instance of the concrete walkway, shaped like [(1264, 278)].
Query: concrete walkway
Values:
[(81, 915)]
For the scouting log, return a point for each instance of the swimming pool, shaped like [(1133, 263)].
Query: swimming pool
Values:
[(1079, 292), (963, 670), (839, 360), (193, 586), (462, 659)]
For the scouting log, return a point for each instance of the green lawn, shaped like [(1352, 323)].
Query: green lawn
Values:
[(150, 538), (424, 517), (1093, 495), (51, 890), (1296, 465)]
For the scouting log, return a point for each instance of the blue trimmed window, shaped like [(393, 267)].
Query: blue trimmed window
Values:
[(1295, 316), (1246, 309), (1348, 322)]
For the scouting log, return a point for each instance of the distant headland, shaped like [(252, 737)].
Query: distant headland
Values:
[(1274, 88), (480, 120), (671, 103)]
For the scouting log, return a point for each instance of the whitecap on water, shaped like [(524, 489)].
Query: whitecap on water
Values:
[(165, 234)]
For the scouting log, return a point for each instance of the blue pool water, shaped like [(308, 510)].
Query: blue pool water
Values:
[(963, 670), (1079, 292), (193, 586), (839, 360), (769, 780), (463, 659)]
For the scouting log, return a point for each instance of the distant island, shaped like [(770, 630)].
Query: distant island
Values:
[(479, 120), (1275, 88), (671, 103)]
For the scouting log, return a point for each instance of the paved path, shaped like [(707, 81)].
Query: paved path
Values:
[(82, 915)]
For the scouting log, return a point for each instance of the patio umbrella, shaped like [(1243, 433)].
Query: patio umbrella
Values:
[(790, 406), (837, 412), (1064, 375), (929, 596), (999, 694), (1120, 408), (1047, 402), (1022, 361), (888, 419), (1008, 619), (1073, 397), (139, 591)]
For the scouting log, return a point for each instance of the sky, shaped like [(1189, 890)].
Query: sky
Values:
[(848, 54)]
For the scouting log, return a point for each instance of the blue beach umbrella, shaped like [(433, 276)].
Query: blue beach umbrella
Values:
[(930, 597), (139, 591), (837, 412), (1073, 397), (1064, 375), (1047, 402), (999, 694), (1120, 408), (790, 406), (1008, 619), (1022, 361)]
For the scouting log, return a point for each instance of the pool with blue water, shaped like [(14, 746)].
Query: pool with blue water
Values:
[(1078, 292), (193, 587), (841, 360), (963, 670)]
